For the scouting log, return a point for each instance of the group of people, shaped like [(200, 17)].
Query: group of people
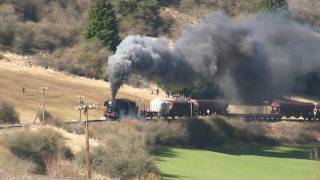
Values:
[(177, 97), (181, 98), (157, 91), (170, 95)]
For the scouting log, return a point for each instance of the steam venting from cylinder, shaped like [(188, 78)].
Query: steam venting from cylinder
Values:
[(249, 59)]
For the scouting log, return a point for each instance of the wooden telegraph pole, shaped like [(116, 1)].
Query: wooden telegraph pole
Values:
[(88, 146), (81, 103), (86, 109), (43, 103), (191, 109)]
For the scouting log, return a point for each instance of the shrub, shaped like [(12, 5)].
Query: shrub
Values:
[(10, 163), (47, 116), (297, 136), (8, 21), (124, 154), (67, 153), (86, 59), (8, 114), (24, 38), (155, 132), (27, 10), (143, 16), (165, 133), (37, 145), (202, 133), (216, 131), (33, 26), (273, 5)]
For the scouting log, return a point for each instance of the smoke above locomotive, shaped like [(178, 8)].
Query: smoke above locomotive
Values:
[(253, 58)]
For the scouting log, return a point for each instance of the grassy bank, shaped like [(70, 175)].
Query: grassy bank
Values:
[(264, 163), (62, 93)]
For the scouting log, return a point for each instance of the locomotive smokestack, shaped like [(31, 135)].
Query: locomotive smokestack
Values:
[(251, 59)]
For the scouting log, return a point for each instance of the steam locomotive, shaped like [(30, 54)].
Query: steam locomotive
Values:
[(114, 109), (279, 108)]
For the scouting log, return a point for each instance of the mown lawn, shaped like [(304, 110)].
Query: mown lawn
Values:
[(254, 163)]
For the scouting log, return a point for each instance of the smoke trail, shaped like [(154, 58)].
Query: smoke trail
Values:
[(228, 53), (251, 59), (149, 57)]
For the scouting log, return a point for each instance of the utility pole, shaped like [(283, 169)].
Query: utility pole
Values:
[(87, 145), (266, 106), (266, 111), (43, 103), (139, 108), (86, 109), (191, 109), (81, 103)]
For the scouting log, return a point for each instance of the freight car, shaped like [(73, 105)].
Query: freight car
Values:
[(168, 108), (209, 107), (185, 108), (119, 108), (179, 109), (294, 109)]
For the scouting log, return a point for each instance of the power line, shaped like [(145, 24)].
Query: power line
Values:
[(80, 104), (86, 108), (43, 103)]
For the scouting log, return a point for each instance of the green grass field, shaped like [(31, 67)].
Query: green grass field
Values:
[(255, 163)]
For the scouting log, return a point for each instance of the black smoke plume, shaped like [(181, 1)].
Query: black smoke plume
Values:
[(150, 58), (249, 59)]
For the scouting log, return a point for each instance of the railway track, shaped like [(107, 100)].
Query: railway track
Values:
[(12, 126), (232, 117), (269, 117)]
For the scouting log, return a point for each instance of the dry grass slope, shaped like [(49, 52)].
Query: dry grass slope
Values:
[(62, 93)]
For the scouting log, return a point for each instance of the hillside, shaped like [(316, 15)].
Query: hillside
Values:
[(62, 93)]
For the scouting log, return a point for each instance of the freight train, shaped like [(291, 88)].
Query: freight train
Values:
[(188, 108)]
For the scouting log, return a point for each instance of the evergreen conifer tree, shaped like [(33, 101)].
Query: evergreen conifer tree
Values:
[(273, 5), (103, 24)]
